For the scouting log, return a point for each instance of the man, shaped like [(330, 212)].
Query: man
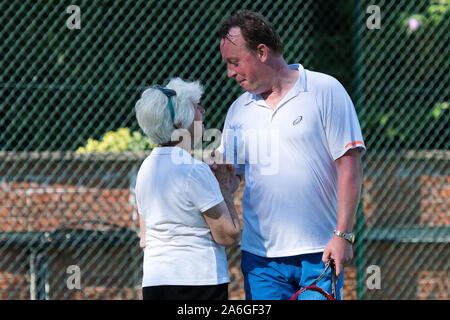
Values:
[(299, 216)]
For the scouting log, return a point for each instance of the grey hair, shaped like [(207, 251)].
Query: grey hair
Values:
[(152, 109)]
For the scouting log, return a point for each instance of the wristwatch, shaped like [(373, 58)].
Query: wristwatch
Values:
[(350, 237)]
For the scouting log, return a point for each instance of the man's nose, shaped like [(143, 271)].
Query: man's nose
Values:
[(231, 72)]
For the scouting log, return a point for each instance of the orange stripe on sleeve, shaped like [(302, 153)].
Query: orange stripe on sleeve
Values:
[(354, 144)]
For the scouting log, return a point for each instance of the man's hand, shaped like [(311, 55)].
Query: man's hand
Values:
[(340, 250)]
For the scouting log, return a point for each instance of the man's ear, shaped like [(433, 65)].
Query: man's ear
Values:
[(262, 52)]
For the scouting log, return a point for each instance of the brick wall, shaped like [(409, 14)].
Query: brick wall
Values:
[(46, 191), (433, 285), (33, 206), (434, 200), (407, 197)]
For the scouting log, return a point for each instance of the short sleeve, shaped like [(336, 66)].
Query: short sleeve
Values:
[(203, 188), (342, 128)]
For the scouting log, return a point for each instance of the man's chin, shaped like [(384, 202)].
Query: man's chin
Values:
[(245, 86), (252, 91)]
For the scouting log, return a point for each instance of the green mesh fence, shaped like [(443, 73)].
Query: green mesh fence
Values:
[(68, 219)]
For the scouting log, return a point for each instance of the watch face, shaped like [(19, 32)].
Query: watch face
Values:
[(352, 238)]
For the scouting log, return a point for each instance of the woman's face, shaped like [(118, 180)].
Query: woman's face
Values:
[(199, 111), (198, 119)]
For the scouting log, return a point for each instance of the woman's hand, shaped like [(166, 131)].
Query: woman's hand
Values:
[(142, 243), (226, 176), (142, 231), (225, 173)]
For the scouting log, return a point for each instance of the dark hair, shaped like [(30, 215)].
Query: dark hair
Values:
[(255, 30)]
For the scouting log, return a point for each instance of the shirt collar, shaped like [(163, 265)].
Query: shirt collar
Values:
[(167, 150), (300, 85)]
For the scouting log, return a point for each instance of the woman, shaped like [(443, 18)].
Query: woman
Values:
[(186, 216)]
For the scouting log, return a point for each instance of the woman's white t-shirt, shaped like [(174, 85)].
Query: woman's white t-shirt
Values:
[(171, 195)]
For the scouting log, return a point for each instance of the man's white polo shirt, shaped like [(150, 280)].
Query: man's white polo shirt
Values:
[(290, 197)]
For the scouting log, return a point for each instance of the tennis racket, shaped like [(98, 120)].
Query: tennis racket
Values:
[(314, 287)]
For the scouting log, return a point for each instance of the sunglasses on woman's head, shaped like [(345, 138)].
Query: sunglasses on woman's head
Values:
[(169, 93)]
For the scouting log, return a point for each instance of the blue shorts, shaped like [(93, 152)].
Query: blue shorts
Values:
[(280, 278)]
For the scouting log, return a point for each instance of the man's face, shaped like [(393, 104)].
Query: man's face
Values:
[(242, 65)]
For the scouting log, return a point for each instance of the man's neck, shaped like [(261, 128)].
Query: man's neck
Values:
[(283, 79)]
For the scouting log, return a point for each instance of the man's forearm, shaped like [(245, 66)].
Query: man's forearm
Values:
[(349, 191), (348, 200)]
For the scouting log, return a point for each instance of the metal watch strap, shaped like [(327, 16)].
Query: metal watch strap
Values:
[(347, 236)]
